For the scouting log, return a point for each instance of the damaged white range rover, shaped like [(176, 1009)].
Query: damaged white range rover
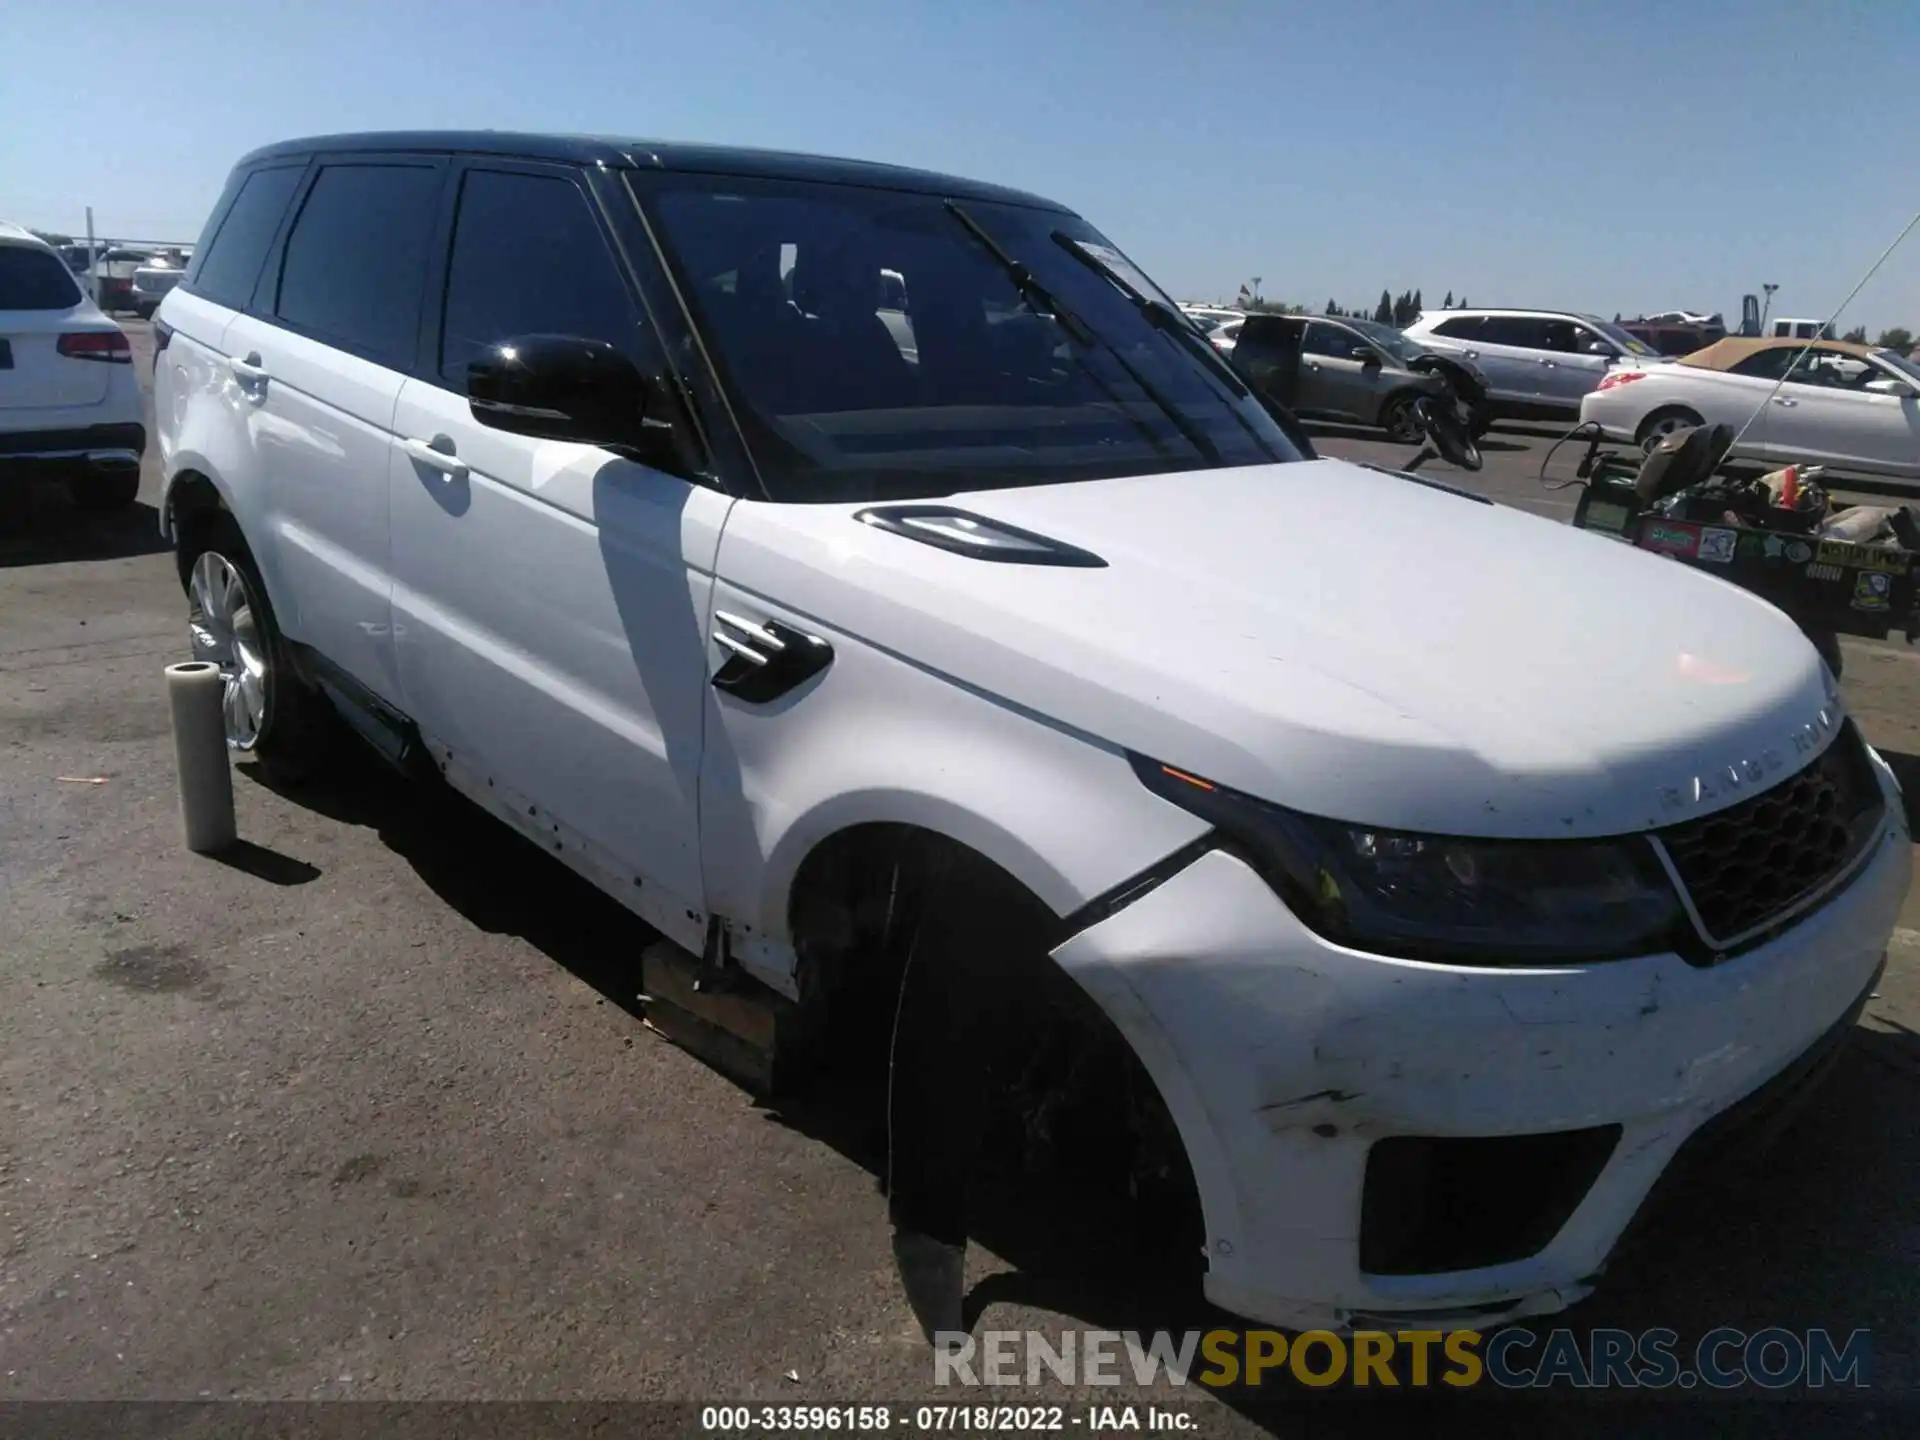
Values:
[(864, 574)]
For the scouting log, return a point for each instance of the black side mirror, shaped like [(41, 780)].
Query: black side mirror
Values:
[(566, 387), (1366, 355)]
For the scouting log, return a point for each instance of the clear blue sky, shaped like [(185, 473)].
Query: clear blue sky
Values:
[(1598, 154)]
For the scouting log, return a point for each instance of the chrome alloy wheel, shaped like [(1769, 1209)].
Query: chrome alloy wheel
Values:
[(1666, 425), (220, 613)]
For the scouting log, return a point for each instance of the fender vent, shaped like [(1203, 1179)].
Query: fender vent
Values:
[(977, 537)]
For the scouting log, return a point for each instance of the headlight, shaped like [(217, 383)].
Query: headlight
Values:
[(1432, 897)]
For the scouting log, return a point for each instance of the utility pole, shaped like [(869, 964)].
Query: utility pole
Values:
[(93, 264), (1767, 306)]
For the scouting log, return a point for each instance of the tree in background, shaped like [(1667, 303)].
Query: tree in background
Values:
[(1898, 338), (1447, 304), (1383, 312), (1332, 309), (1418, 306), (1856, 336), (1463, 303)]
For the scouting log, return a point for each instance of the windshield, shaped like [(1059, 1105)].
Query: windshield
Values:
[(1627, 341), (1895, 361), (1389, 339), (950, 374)]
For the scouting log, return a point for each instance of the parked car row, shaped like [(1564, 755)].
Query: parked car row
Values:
[(589, 479)]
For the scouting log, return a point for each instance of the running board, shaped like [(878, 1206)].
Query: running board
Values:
[(745, 1030)]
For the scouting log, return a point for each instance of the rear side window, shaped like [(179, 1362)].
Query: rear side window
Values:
[(528, 259), (1461, 327), (1528, 332), (1766, 364), (230, 259), (35, 279), (356, 258)]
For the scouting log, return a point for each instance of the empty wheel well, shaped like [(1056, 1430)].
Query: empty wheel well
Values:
[(192, 501), (1084, 1104)]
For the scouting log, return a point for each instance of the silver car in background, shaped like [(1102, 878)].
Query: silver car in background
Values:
[(1539, 364)]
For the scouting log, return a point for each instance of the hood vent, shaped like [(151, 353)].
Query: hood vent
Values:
[(977, 537)]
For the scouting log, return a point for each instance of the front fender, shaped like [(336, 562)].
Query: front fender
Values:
[(879, 740)]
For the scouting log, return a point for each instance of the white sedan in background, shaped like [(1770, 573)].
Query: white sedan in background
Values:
[(1848, 406)]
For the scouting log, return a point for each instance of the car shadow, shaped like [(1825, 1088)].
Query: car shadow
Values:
[(40, 526), (1817, 1230), (489, 874)]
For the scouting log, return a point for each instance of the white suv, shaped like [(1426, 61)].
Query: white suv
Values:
[(1539, 364), (1442, 912), (69, 400)]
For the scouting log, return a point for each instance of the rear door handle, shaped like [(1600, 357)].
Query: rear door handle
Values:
[(437, 454), (1783, 400)]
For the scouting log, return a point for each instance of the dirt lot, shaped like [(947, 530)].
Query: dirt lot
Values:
[(366, 1110)]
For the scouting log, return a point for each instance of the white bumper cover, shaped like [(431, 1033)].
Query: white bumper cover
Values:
[(1283, 1058)]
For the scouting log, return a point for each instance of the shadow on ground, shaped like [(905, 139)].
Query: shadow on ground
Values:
[(40, 526), (1819, 1230)]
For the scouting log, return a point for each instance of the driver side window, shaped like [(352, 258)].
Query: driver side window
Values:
[(529, 259), (1330, 341)]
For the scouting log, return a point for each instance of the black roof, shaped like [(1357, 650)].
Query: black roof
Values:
[(655, 155)]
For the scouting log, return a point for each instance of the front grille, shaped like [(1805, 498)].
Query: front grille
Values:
[(1744, 866)]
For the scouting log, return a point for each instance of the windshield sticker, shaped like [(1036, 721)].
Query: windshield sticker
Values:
[(1716, 546), (1863, 557), (1676, 540), (1601, 515), (1798, 552), (1872, 589)]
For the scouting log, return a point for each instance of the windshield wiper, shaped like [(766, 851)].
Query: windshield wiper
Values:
[(1172, 323), (1043, 300)]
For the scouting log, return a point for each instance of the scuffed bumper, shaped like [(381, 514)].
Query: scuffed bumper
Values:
[(1284, 1059)]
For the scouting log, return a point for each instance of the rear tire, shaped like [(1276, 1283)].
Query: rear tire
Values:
[(271, 714), (1398, 420), (1662, 423), (104, 492)]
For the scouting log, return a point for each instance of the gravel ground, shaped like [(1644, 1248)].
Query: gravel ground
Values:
[(365, 1109)]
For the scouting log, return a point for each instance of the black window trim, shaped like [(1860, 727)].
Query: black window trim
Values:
[(190, 281), (266, 288)]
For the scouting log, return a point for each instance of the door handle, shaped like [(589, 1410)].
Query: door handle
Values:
[(1551, 364), (437, 454), (1313, 364), (1471, 354), (248, 371), (1783, 400)]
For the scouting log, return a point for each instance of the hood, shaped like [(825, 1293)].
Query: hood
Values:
[(1341, 640)]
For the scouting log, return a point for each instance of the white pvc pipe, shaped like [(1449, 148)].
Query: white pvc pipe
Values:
[(194, 694)]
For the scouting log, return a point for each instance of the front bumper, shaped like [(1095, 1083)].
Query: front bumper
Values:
[(1284, 1059), (89, 449)]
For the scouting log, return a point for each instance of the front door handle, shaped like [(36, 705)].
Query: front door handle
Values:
[(766, 659), (249, 372), (1783, 400), (1313, 365), (1550, 363), (437, 454), (1471, 354)]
